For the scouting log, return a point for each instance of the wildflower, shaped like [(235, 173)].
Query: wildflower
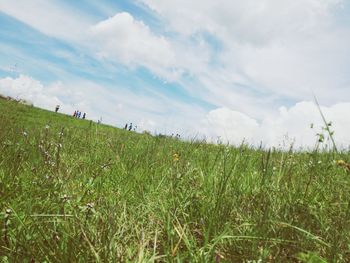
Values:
[(25, 134), (176, 157), (8, 211), (64, 198), (90, 206), (340, 162), (47, 127), (343, 164)]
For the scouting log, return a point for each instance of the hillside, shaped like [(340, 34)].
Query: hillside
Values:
[(75, 191)]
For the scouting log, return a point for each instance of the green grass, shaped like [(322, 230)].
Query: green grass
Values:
[(81, 192)]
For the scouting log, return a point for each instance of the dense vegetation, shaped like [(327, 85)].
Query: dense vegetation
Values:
[(75, 191)]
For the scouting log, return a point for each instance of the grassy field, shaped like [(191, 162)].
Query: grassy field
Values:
[(75, 191)]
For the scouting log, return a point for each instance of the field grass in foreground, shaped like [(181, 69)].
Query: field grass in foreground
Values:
[(75, 191)]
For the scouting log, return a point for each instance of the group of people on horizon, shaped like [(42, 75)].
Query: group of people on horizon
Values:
[(129, 127), (77, 114)]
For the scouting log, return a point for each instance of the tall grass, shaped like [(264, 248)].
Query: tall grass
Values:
[(75, 191)]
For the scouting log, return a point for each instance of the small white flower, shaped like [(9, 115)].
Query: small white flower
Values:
[(47, 127), (65, 198), (90, 206), (25, 134)]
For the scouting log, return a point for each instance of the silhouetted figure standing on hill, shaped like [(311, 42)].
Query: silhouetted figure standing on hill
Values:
[(130, 126), (84, 115), (126, 126), (79, 114), (57, 108), (75, 114)]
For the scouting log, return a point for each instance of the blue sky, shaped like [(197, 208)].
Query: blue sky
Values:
[(226, 69)]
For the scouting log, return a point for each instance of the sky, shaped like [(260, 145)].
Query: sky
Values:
[(225, 71)]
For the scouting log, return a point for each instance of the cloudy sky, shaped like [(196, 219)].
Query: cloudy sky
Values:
[(228, 70)]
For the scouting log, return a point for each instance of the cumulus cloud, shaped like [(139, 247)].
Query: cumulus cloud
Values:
[(229, 125), (289, 126), (29, 89), (295, 123), (131, 42)]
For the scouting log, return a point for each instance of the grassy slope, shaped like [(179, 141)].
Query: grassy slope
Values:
[(95, 193)]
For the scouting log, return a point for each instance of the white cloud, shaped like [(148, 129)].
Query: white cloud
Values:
[(296, 121), (132, 43), (245, 21), (43, 96), (229, 125), (289, 125), (49, 17)]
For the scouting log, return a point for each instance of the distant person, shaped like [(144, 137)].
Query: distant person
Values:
[(79, 114), (57, 108), (130, 126), (126, 126), (84, 115), (75, 114)]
